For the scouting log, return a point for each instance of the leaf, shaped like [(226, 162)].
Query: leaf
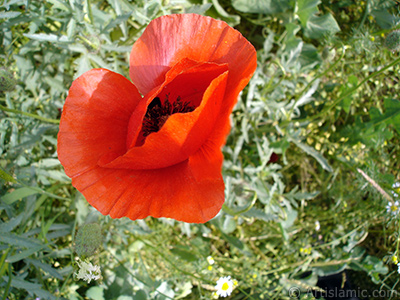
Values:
[(24, 254), (307, 97), (233, 241), (305, 9), (185, 289), (60, 5), (31, 288), (9, 14), (291, 216), (164, 291), (116, 48), (351, 83), (13, 239), (260, 215), (318, 26), (84, 65), (385, 19), (309, 57), (330, 269), (117, 21), (11, 224), (125, 298), (18, 194), (140, 295), (47, 37), (391, 115), (19, 283), (232, 20), (374, 266), (45, 267), (228, 224), (71, 27), (95, 293), (184, 254), (311, 151), (7, 177), (99, 61), (268, 7), (198, 9)]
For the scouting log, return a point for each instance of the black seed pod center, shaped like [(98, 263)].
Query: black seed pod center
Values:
[(157, 113)]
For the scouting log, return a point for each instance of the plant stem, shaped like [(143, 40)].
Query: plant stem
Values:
[(364, 17), (6, 109), (8, 283), (376, 186)]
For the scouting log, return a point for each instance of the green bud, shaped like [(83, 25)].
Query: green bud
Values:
[(392, 41), (88, 240), (7, 81)]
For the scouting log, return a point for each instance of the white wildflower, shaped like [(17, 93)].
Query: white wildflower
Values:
[(224, 286), (396, 187), (88, 272), (317, 226), (393, 208), (210, 260)]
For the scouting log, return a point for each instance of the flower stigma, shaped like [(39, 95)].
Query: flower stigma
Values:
[(158, 113)]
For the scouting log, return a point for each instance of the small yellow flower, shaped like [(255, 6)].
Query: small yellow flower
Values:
[(371, 18), (306, 251), (209, 268), (395, 260), (254, 276)]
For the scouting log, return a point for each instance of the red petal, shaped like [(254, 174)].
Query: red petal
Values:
[(95, 119), (169, 39), (182, 134), (191, 191)]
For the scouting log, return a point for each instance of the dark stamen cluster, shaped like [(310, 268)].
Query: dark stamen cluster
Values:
[(157, 113)]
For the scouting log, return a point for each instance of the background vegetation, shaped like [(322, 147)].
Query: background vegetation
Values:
[(322, 105)]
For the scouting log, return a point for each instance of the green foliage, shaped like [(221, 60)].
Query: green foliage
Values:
[(322, 104), (7, 81), (267, 7)]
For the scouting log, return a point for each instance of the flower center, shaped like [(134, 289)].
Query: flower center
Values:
[(225, 286), (393, 207), (158, 113)]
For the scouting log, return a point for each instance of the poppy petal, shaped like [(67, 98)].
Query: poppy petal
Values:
[(191, 191), (95, 119), (136, 157), (182, 134), (169, 39)]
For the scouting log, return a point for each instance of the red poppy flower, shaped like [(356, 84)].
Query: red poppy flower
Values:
[(159, 155)]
